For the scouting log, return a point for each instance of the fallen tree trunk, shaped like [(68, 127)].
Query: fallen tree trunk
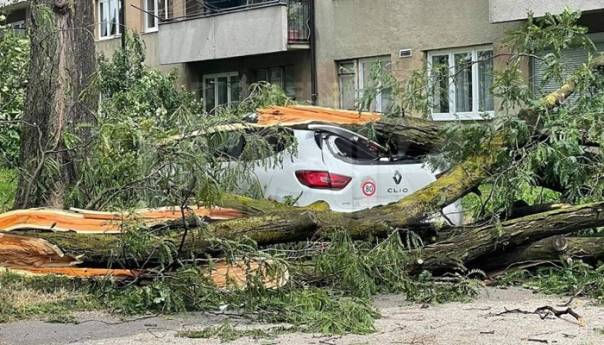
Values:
[(551, 249), (470, 245), (32, 252), (222, 274), (86, 221), (473, 245), (412, 135)]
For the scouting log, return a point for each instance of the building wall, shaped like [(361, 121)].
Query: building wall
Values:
[(507, 10), (134, 19), (349, 29)]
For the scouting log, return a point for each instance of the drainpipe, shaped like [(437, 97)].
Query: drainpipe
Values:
[(123, 23), (313, 55)]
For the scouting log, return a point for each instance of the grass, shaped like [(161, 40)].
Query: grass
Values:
[(52, 299), (8, 186)]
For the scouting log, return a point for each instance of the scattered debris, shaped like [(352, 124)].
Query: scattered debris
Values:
[(545, 312)]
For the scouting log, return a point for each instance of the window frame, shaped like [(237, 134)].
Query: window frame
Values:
[(215, 76), (154, 13), (359, 78), (475, 114), (118, 30)]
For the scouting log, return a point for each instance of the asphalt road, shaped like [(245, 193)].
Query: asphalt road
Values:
[(401, 323)]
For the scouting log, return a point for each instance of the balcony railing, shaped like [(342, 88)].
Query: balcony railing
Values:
[(298, 21), (298, 13)]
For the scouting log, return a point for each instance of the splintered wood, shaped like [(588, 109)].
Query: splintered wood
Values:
[(35, 256), (95, 222), (223, 275), (22, 251), (298, 115)]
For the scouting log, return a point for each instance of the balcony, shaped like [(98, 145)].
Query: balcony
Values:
[(510, 10), (228, 29)]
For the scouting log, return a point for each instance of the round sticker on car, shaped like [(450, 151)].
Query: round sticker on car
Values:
[(368, 188)]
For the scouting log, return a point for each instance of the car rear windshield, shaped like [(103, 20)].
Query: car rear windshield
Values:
[(359, 151)]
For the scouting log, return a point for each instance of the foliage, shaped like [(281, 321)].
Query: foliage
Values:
[(363, 269), (563, 162), (314, 300), (136, 158), (573, 279), (226, 332), (490, 203), (560, 155), (14, 58), (8, 185)]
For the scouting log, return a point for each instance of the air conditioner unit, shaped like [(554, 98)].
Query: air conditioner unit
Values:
[(405, 53)]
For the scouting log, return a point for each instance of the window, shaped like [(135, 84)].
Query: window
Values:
[(109, 12), (359, 76), (18, 25), (155, 12), (461, 82), (151, 15), (345, 148), (280, 76), (221, 89)]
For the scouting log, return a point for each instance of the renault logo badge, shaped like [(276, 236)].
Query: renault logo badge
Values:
[(397, 177)]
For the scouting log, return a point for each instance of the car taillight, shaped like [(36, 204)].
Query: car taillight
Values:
[(322, 179)]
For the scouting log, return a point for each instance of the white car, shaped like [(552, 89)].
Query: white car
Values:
[(342, 168)]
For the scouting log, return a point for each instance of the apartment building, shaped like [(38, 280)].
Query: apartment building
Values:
[(403, 36), (324, 51), (226, 45), (217, 47), (592, 18)]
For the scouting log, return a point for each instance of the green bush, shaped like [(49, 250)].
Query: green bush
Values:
[(14, 59)]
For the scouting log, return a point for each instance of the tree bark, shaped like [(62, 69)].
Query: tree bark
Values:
[(470, 247), (551, 249), (474, 245), (412, 135), (59, 100)]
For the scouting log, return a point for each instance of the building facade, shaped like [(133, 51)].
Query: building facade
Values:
[(327, 51)]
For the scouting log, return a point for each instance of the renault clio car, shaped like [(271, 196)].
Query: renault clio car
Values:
[(342, 168)]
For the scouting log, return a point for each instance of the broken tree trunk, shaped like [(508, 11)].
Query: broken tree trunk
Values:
[(469, 245), (551, 249), (412, 135), (485, 243), (91, 222)]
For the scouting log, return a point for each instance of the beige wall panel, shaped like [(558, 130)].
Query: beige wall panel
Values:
[(359, 28)]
